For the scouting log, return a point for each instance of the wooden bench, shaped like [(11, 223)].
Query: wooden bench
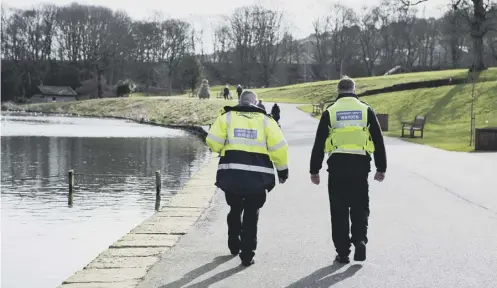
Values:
[(417, 125), (318, 108)]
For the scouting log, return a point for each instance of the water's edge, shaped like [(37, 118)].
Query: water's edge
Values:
[(194, 129), (127, 261)]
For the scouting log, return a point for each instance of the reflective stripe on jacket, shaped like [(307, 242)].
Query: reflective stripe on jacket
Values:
[(349, 131), (249, 142)]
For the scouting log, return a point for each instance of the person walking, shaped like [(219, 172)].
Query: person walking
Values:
[(226, 93), (350, 133), (239, 91), (275, 112), (260, 105), (250, 144)]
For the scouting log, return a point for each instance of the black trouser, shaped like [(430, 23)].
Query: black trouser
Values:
[(348, 191), (242, 234)]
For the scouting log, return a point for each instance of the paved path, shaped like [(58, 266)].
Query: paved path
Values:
[(433, 224)]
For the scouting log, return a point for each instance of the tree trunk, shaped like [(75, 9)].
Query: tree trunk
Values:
[(99, 82), (478, 31), (478, 52)]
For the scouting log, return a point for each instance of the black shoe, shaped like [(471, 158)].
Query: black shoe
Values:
[(247, 263), (234, 245), (360, 251), (342, 259)]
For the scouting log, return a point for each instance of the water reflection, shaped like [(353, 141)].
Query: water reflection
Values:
[(43, 240)]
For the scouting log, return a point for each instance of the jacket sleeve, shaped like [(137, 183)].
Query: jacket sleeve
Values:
[(380, 155), (217, 134), (319, 143), (276, 145)]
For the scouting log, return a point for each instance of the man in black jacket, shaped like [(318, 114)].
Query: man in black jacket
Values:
[(350, 133)]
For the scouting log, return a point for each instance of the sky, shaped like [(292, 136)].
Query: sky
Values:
[(205, 14)]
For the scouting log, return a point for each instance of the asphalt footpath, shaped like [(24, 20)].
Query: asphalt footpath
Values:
[(433, 223)]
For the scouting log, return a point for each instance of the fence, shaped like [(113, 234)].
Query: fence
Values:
[(71, 175)]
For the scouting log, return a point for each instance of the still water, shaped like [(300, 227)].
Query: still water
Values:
[(43, 240)]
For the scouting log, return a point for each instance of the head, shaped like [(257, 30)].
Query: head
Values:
[(248, 97), (260, 101), (346, 85)]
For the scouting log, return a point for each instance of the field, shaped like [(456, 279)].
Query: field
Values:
[(447, 109), (161, 110), (326, 90)]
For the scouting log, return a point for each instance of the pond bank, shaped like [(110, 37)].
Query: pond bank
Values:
[(180, 113), (127, 261)]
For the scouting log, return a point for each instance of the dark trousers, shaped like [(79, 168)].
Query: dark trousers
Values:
[(348, 197), (242, 222)]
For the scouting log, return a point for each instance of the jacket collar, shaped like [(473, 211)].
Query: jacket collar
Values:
[(344, 95), (251, 108)]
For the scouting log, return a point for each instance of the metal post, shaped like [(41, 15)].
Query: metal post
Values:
[(157, 190), (71, 188), (473, 118)]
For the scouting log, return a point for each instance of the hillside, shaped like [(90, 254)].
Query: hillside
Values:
[(447, 109), (326, 90)]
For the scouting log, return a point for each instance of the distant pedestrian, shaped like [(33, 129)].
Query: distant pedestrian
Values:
[(251, 145), (226, 93), (239, 91), (260, 105), (275, 112), (349, 132)]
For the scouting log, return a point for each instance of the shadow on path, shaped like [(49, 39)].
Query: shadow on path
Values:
[(324, 277), (218, 277), (195, 273)]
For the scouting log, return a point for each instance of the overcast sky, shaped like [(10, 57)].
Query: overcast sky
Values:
[(205, 13)]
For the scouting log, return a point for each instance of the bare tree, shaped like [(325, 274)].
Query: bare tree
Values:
[(475, 12), (370, 37), (268, 33), (176, 45), (321, 41)]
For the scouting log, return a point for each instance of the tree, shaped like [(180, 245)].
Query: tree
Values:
[(475, 12), (191, 71), (369, 37)]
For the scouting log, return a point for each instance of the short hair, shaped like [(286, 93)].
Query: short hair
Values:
[(248, 97), (346, 85)]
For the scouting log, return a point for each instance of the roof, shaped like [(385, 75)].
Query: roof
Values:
[(57, 90)]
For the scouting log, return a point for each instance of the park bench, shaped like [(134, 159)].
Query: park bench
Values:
[(318, 107), (417, 125)]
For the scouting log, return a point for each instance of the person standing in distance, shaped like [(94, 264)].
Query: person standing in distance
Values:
[(239, 91), (250, 144), (260, 105), (349, 133)]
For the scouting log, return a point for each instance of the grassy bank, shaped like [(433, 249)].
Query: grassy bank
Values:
[(159, 110), (315, 91), (447, 109)]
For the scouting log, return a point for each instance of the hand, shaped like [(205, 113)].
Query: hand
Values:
[(282, 180), (315, 179), (379, 176)]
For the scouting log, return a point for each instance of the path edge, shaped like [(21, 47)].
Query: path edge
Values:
[(126, 262)]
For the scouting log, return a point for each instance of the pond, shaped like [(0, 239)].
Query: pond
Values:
[(43, 240)]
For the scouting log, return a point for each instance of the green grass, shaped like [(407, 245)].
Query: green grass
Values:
[(447, 109), (326, 90), (161, 110)]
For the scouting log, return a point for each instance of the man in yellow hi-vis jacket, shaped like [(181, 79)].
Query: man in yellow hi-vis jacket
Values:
[(350, 134), (250, 144)]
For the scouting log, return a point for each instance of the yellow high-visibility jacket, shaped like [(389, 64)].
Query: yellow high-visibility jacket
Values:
[(249, 142), (349, 131)]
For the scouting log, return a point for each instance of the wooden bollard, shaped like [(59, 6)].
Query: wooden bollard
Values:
[(157, 190), (71, 187)]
